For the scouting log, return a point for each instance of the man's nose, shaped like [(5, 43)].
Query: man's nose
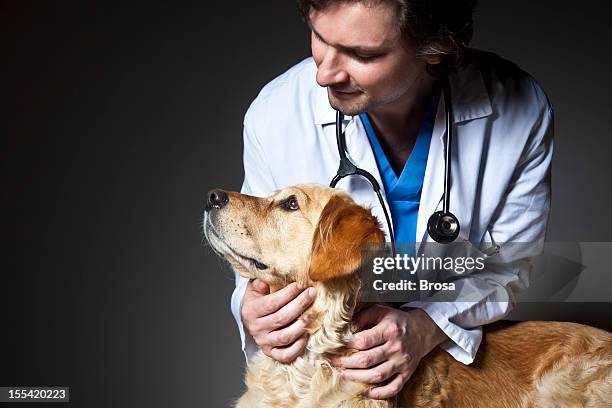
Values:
[(216, 199), (331, 70)]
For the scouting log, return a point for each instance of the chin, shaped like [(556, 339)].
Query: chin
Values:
[(351, 107)]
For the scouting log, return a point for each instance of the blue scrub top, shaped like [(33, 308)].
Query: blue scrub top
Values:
[(404, 193)]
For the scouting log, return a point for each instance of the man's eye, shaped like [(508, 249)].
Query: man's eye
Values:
[(362, 57), (291, 204)]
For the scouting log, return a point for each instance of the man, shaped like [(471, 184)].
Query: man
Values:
[(380, 62)]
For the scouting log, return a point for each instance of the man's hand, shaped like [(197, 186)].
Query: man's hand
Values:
[(272, 319), (392, 348)]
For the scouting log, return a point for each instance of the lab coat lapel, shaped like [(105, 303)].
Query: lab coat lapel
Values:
[(470, 101), (433, 181)]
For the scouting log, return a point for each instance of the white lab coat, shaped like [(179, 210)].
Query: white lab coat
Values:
[(500, 191)]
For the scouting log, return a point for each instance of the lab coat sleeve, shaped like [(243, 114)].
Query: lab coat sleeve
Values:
[(520, 218), (258, 181)]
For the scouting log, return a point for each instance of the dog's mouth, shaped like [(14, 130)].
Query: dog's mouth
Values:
[(223, 249)]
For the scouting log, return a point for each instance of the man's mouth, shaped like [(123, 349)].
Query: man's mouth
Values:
[(343, 93)]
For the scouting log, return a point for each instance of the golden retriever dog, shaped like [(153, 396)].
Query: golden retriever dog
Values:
[(313, 235)]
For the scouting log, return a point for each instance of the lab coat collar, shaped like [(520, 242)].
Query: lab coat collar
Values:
[(469, 95), (470, 98)]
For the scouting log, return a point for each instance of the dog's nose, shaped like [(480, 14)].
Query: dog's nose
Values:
[(216, 199)]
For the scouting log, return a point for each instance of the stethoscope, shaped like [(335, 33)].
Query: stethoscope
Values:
[(442, 226)]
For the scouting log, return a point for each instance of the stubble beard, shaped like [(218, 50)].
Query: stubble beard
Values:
[(351, 107)]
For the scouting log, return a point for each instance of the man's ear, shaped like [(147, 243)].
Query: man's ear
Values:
[(342, 229)]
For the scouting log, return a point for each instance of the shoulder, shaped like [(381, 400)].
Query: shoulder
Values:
[(510, 88), (292, 93)]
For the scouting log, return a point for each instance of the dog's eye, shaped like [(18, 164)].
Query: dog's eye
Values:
[(291, 204)]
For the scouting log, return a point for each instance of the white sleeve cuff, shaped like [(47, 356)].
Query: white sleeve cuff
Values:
[(462, 344), (248, 343)]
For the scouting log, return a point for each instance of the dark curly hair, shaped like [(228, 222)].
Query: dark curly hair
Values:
[(438, 28)]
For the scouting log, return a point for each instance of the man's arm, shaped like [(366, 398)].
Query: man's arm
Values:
[(520, 218), (258, 181)]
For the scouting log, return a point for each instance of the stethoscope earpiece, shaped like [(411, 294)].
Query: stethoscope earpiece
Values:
[(443, 227)]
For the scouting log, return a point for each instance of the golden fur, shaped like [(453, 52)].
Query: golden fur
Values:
[(528, 364)]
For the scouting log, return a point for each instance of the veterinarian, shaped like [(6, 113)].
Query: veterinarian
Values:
[(379, 63)]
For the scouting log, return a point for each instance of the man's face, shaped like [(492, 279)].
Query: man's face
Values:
[(362, 58)]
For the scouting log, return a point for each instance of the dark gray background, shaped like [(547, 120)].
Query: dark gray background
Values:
[(117, 121)]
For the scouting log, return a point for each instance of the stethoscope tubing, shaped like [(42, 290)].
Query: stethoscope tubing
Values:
[(447, 146), (436, 226)]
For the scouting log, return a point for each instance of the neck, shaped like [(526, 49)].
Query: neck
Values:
[(335, 306), (399, 121)]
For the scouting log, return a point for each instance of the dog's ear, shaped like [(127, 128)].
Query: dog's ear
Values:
[(342, 229)]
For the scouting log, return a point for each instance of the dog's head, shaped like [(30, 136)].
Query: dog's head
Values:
[(305, 233)]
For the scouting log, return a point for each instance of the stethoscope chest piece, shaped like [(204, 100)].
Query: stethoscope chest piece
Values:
[(443, 227)]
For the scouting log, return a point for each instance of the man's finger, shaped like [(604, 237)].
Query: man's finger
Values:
[(289, 354), (287, 335), (387, 391), (373, 375), (367, 339), (370, 316), (361, 359), (291, 311), (274, 301), (260, 286)]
